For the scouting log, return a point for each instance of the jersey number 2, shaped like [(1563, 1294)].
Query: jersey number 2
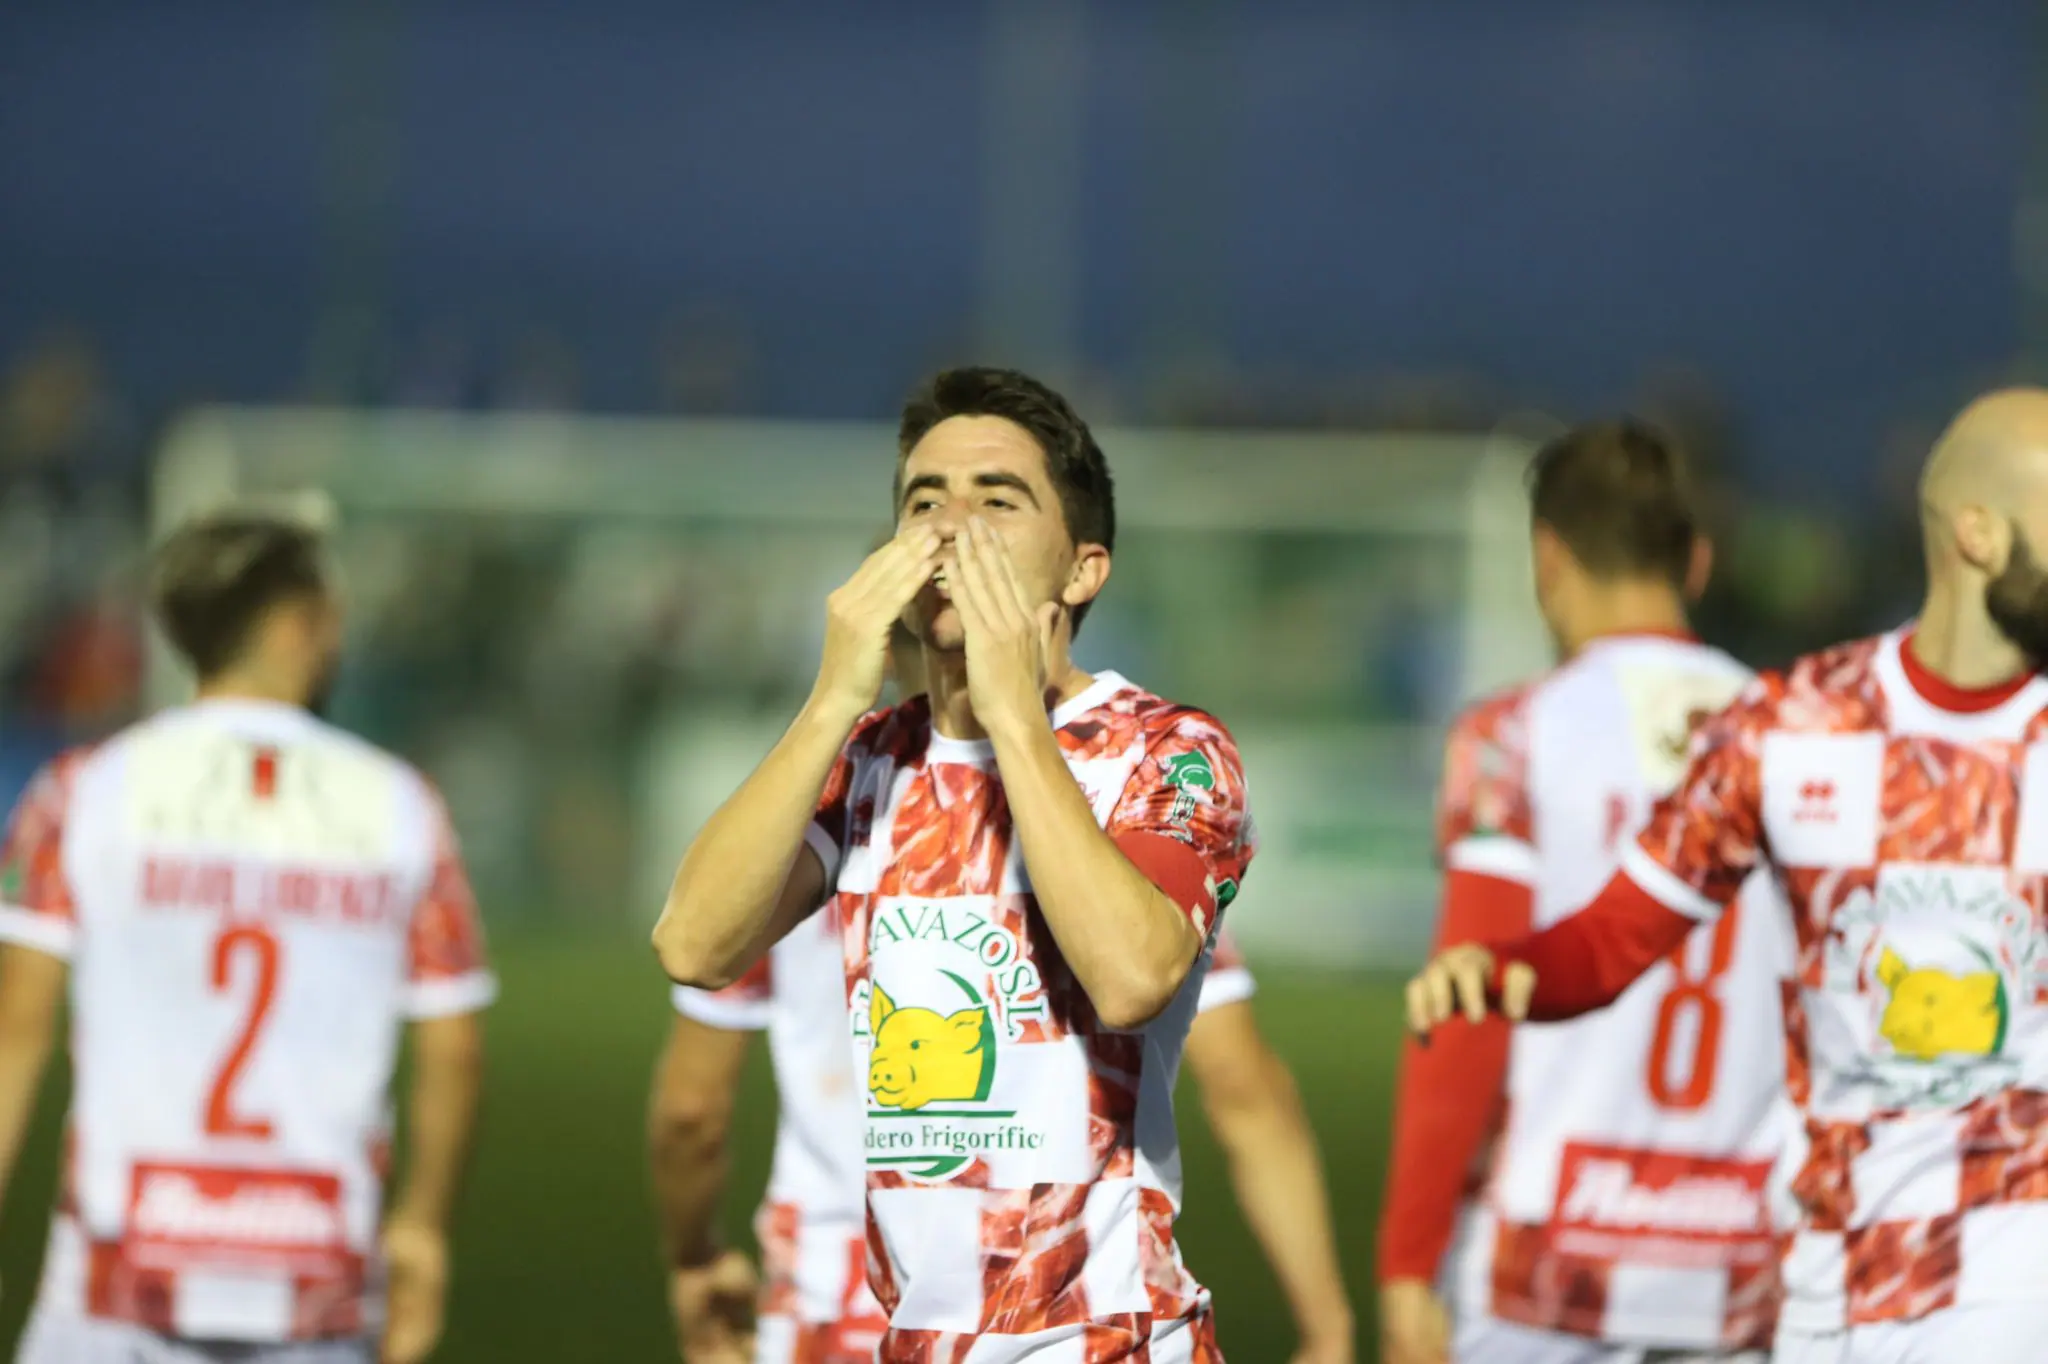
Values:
[(260, 944), (1695, 995)]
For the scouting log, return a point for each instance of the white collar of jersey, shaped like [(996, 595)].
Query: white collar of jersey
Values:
[(1913, 713), (249, 712), (1105, 685)]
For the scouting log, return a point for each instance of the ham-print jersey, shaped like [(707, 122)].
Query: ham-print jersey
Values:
[(812, 1224), (1908, 825), (252, 903), (1023, 1172), (1629, 1199)]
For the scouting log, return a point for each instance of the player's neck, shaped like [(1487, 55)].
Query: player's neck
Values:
[(1955, 640), (953, 711), (250, 685), (1628, 608)]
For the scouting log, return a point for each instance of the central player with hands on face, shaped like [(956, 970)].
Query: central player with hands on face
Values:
[(1028, 863)]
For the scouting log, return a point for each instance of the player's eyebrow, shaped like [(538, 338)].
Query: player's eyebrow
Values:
[(989, 479)]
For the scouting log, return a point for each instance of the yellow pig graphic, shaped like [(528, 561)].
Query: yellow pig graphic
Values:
[(921, 1057), (1934, 1013)]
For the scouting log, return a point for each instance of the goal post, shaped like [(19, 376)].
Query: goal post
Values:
[(589, 628)]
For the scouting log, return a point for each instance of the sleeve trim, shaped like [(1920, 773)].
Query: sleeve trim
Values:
[(713, 1011), (1665, 886), (1228, 985), (447, 996), (827, 848), (43, 932), (1510, 859)]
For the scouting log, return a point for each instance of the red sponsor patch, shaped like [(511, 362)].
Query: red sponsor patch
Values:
[(276, 1221), (1663, 1207)]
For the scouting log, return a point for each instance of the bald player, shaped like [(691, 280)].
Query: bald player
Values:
[(1898, 789)]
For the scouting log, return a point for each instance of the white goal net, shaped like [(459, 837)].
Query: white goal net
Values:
[(588, 629)]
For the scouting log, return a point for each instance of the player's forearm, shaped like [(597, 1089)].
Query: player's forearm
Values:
[(447, 1084), (1127, 942), (1585, 962), (720, 906), (31, 987), (1278, 1177), (687, 1148)]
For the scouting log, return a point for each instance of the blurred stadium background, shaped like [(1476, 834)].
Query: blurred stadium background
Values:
[(585, 324)]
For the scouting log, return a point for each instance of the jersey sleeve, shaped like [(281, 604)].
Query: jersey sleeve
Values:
[(1704, 838), (743, 1006), (831, 822), (1182, 817), (1229, 980), (1484, 820), (36, 905), (447, 972)]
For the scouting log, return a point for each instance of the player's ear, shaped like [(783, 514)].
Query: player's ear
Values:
[(1982, 539), (1699, 568), (1087, 578)]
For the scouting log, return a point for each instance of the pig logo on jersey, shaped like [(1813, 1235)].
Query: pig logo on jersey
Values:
[(1927, 967), (922, 1057), (948, 1013), (1934, 1013)]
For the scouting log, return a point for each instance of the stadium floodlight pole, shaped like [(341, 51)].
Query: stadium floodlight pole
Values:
[(358, 183), (1033, 121)]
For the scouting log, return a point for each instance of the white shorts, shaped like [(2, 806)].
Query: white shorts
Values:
[(1483, 1340), (53, 1338), (1999, 1333)]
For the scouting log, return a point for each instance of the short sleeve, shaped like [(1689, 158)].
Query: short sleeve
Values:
[(1182, 817), (447, 972), (1484, 820), (36, 905), (1230, 978), (746, 1005), (1704, 838)]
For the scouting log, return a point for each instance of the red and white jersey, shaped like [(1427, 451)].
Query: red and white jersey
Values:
[(1023, 1172), (1629, 1198), (812, 1225), (252, 902), (1908, 824)]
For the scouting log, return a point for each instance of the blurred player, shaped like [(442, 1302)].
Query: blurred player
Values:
[(1625, 1210), (248, 905), (1898, 788), (814, 1305), (1029, 863)]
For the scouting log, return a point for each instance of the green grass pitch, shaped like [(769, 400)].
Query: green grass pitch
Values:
[(554, 1251)]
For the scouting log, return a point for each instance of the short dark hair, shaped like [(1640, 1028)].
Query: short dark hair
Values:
[(1073, 461), (214, 579), (1617, 493)]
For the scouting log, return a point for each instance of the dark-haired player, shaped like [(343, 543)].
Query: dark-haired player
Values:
[(247, 908), (1625, 1212), (1029, 863)]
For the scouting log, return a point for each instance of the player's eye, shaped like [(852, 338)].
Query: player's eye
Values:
[(922, 505), (1003, 502)]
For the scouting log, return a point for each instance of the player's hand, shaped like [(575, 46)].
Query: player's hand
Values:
[(1414, 1327), (1010, 638), (714, 1308), (1455, 982), (416, 1261), (860, 612)]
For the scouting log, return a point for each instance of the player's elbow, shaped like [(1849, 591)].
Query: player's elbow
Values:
[(687, 960), (689, 1124), (1136, 997)]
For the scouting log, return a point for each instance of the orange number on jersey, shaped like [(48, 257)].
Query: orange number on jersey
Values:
[(221, 1120), (1696, 992)]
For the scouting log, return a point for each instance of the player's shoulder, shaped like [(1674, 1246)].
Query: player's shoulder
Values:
[(1499, 719), (1115, 706), (1830, 690), (56, 781)]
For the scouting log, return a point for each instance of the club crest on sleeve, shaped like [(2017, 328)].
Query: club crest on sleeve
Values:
[(1189, 774)]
